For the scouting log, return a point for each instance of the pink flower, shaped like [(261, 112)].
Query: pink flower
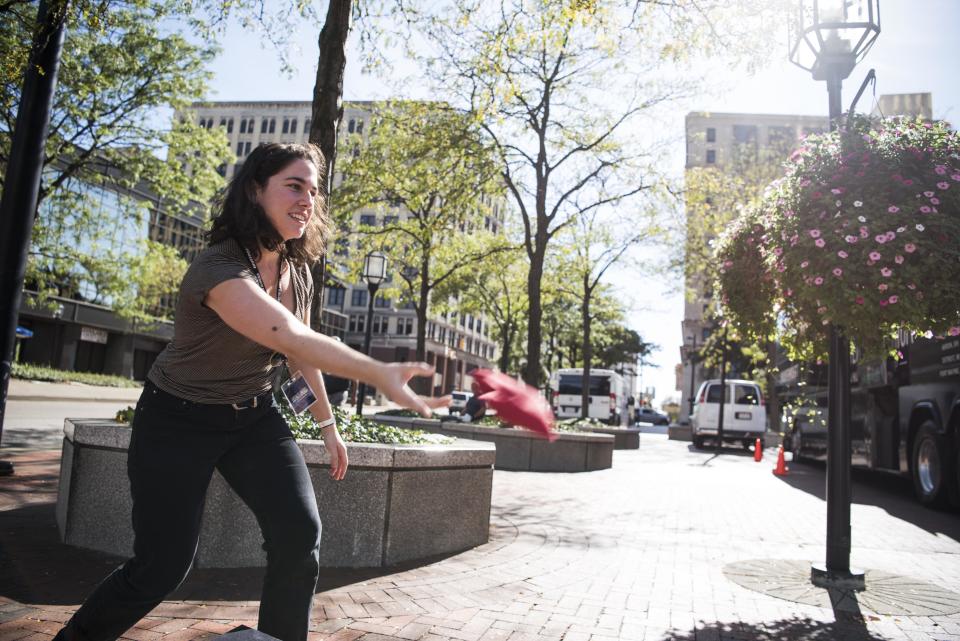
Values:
[(818, 281), (929, 194), (883, 303), (893, 299), (864, 232), (882, 287), (777, 251), (880, 238), (908, 182), (943, 185), (805, 183), (837, 272), (804, 264), (788, 293), (953, 331), (934, 201), (940, 169), (851, 239), (898, 259), (837, 190), (728, 263), (893, 209), (909, 248), (859, 300), (842, 254), (956, 177), (875, 256), (820, 242), (890, 236), (887, 272), (814, 233), (911, 286), (925, 210)]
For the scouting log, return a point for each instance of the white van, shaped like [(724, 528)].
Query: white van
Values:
[(608, 398), (744, 412)]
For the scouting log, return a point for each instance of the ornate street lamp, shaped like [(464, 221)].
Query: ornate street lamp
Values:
[(828, 38), (374, 273)]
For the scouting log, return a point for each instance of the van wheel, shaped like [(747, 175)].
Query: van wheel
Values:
[(698, 442), (931, 466), (796, 444)]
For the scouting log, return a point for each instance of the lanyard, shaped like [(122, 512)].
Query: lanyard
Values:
[(256, 272)]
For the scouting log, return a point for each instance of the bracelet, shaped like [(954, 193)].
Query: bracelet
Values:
[(327, 422)]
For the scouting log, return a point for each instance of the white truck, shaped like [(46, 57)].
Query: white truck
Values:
[(744, 412), (607, 395)]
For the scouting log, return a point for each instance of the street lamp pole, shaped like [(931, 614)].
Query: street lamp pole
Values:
[(693, 373), (374, 272), (22, 180), (829, 38)]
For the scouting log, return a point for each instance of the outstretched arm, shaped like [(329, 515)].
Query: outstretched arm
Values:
[(247, 309)]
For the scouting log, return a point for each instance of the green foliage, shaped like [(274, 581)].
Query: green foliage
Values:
[(40, 373), (579, 425), (408, 413), (357, 429), (429, 176), (119, 68), (862, 232), (125, 415)]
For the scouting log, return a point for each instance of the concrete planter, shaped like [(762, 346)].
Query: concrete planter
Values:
[(520, 450), (397, 503), (624, 438)]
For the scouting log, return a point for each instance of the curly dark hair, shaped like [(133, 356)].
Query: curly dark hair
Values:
[(240, 216)]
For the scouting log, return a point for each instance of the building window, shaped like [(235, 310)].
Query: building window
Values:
[(243, 126), (268, 125), (711, 134), (240, 150), (368, 219), (227, 123), (711, 156), (306, 125), (351, 126), (479, 326), (390, 220), (250, 126), (335, 296), (405, 326), (380, 324), (381, 302), (359, 126), (358, 298), (286, 125), (358, 322), (293, 126)]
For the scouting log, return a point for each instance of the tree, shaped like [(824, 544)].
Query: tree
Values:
[(117, 69), (427, 172)]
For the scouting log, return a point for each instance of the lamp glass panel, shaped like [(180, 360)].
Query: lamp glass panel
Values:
[(375, 268)]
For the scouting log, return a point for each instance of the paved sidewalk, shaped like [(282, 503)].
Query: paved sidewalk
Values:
[(24, 390), (632, 553)]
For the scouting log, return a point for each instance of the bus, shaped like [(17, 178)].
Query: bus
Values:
[(904, 416), (607, 400)]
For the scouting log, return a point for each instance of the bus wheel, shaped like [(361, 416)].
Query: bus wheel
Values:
[(930, 466)]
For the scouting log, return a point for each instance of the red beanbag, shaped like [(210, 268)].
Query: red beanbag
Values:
[(515, 402)]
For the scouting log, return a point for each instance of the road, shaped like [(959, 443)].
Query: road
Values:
[(38, 425)]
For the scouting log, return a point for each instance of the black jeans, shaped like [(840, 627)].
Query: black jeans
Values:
[(174, 448)]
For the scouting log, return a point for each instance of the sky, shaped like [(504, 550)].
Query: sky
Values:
[(916, 51)]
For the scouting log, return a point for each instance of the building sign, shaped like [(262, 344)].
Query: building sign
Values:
[(94, 335)]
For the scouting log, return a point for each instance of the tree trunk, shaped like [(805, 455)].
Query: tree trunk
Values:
[(587, 353), (506, 337), (773, 399), (419, 384), (327, 111), (532, 372)]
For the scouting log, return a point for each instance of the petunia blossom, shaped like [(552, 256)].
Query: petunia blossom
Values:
[(898, 259), (842, 254), (882, 287), (886, 272), (940, 169), (814, 233), (920, 227), (893, 299), (858, 300), (893, 209), (804, 264), (837, 272), (880, 238), (909, 248), (925, 209), (820, 242), (851, 239), (818, 281), (943, 185), (875, 256), (858, 203)]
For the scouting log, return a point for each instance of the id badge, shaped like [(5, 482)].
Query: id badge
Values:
[(298, 393)]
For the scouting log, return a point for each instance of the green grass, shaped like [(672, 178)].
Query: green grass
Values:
[(355, 429), (49, 374)]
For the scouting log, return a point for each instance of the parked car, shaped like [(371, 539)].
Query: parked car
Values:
[(650, 415), (459, 401), (744, 412)]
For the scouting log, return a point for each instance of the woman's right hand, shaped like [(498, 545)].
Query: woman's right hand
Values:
[(393, 379)]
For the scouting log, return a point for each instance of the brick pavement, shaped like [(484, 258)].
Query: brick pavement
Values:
[(632, 553)]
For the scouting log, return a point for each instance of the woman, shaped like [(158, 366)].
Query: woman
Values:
[(207, 404)]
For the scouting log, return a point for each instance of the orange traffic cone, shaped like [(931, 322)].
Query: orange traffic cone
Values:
[(757, 451), (781, 468)]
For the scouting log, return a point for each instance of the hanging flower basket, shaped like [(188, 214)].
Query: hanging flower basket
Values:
[(863, 231)]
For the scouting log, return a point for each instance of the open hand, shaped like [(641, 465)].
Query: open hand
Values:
[(393, 379)]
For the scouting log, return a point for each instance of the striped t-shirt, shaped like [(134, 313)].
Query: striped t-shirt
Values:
[(207, 361)]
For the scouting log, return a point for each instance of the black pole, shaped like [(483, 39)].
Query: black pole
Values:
[(837, 569), (723, 388), (22, 180), (362, 390), (693, 374)]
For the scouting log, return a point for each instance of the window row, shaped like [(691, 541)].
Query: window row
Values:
[(267, 125), (404, 326)]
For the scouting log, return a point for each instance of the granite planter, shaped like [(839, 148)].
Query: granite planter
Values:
[(624, 438), (397, 503), (520, 450)]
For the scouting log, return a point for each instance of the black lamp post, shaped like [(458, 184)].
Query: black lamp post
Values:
[(22, 180), (828, 38), (374, 273), (692, 347)]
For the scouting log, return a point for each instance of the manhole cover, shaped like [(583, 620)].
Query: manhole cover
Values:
[(885, 593)]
